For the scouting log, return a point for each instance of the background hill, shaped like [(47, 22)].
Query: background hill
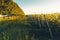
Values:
[(8, 7), (11, 9)]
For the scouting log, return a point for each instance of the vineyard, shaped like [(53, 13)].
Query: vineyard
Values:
[(34, 27)]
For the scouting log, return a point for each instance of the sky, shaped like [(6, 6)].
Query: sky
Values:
[(39, 6)]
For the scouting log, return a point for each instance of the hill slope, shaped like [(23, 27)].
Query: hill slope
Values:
[(10, 7)]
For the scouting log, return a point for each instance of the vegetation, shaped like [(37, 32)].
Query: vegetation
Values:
[(35, 27), (27, 27), (8, 7)]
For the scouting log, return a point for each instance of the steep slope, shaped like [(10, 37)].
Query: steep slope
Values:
[(8, 7)]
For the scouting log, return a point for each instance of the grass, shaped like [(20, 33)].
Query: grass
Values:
[(32, 28)]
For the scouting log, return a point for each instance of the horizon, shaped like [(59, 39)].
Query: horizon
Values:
[(39, 6)]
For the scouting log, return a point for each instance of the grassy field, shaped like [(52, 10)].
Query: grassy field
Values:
[(34, 27)]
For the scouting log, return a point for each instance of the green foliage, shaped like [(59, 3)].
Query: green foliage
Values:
[(8, 7), (34, 28)]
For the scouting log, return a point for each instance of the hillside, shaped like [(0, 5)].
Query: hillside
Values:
[(18, 26), (11, 9), (8, 7), (36, 27)]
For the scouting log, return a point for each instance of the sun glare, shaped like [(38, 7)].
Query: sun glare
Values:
[(39, 10), (39, 6)]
